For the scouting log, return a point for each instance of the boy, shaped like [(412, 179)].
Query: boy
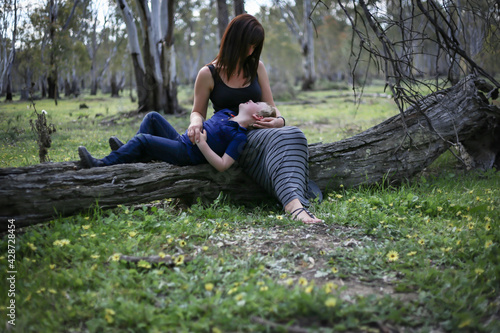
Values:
[(221, 142)]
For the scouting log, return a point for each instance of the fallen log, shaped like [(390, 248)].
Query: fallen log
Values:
[(392, 151)]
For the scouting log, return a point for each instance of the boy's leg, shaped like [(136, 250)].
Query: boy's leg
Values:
[(146, 147), (154, 124)]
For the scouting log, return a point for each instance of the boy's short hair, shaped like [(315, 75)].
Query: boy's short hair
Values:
[(268, 111)]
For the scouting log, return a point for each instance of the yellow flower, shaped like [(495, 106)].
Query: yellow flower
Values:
[(331, 302), (32, 246), (95, 256), (338, 196), (232, 290), (93, 235), (144, 264), (439, 208), (479, 271), (86, 226), (264, 288), (239, 297), (170, 240), (488, 243), (279, 217), (209, 286), (52, 266), (116, 257), (412, 253), (182, 243), (335, 270), (108, 315), (283, 276), (392, 256), (487, 219), (52, 291), (161, 254), (303, 281), (421, 241), (330, 286), (487, 227), (289, 282), (179, 260), (61, 242), (204, 248), (471, 226), (216, 330), (132, 233), (322, 252)]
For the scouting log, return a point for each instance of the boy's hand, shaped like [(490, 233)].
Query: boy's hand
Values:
[(203, 137)]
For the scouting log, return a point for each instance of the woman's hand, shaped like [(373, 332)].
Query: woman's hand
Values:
[(194, 131), (269, 123)]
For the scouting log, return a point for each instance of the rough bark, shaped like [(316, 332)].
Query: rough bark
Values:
[(383, 153)]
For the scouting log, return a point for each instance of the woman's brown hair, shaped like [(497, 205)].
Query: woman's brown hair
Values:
[(242, 32)]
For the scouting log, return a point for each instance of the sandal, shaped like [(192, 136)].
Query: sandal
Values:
[(295, 214)]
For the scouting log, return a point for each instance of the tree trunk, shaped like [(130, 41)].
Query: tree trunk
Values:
[(222, 17), (386, 153), (239, 7)]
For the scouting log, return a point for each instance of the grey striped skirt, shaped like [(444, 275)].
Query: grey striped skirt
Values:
[(277, 159)]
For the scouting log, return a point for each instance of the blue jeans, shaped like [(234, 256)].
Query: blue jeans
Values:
[(155, 140)]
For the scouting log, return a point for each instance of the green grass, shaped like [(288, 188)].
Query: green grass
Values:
[(420, 257)]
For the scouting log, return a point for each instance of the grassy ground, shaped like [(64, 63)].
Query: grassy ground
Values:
[(421, 257)]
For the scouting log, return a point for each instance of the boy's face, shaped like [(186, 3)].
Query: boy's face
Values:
[(251, 107)]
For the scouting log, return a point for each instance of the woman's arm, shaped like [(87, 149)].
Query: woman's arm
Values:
[(267, 96), (219, 163), (203, 86)]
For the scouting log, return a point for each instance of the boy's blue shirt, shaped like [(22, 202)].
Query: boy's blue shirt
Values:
[(223, 136)]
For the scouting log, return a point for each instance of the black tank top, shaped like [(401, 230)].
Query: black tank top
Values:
[(224, 97)]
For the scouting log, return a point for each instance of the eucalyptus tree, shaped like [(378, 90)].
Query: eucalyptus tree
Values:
[(300, 22), (8, 23), (154, 60)]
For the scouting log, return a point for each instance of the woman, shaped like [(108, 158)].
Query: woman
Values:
[(276, 157)]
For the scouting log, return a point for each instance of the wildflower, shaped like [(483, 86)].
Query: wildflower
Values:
[(392, 256), (32, 246), (289, 281), (458, 242), (331, 302), (335, 270), (182, 243), (108, 315), (338, 196), (239, 297), (309, 289), (61, 242), (52, 266), (41, 290), (93, 235), (209, 286), (322, 252), (479, 271), (488, 244), (330, 286), (439, 208), (470, 226), (264, 288), (179, 260), (232, 290), (303, 281), (161, 255), (86, 226), (52, 291), (95, 256), (204, 248), (283, 276), (132, 234), (279, 217), (115, 257), (487, 227), (216, 330), (144, 264), (421, 241), (487, 219), (170, 240)]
